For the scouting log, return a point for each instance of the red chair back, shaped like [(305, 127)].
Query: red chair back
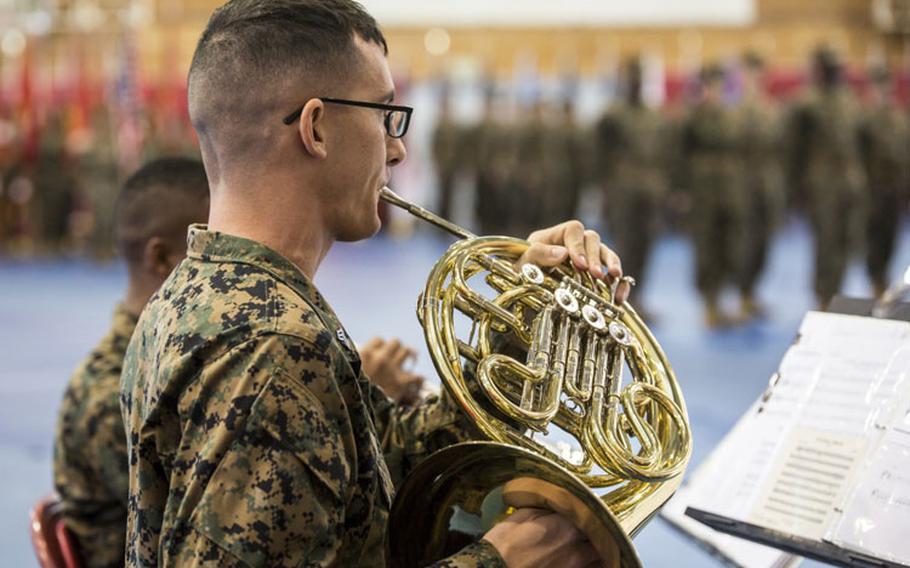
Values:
[(54, 546)]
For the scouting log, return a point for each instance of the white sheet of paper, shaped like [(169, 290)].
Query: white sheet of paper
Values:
[(728, 484), (793, 460), (876, 517), (809, 480)]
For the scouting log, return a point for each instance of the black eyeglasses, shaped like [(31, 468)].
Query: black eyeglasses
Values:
[(397, 118)]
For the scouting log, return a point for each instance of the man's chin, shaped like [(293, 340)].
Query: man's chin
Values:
[(362, 232)]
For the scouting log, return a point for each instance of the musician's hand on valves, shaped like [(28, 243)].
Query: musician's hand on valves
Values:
[(384, 363), (551, 246), (538, 537)]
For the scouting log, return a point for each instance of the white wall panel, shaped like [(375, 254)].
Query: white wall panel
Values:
[(561, 12)]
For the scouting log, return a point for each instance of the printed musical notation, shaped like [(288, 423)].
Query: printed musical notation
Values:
[(824, 456)]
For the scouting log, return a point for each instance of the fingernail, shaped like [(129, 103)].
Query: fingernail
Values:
[(557, 252), (584, 261)]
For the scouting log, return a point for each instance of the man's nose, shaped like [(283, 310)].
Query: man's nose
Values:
[(396, 151)]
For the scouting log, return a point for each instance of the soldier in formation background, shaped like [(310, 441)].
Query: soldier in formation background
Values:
[(712, 175), (826, 173), (632, 165), (762, 151), (884, 147)]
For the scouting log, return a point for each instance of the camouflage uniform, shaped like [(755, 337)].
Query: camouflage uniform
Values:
[(100, 177), (884, 146), (493, 157), (447, 160), (826, 175), (709, 144), (762, 178), (631, 147), (532, 175), (254, 437), (567, 161), (90, 459), (55, 187)]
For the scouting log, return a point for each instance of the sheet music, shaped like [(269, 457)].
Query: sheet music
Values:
[(809, 480), (814, 459), (729, 484), (834, 383)]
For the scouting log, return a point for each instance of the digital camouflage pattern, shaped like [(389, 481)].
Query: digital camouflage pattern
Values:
[(633, 151), (761, 136), (710, 142), (447, 160), (826, 176), (493, 160), (884, 147), (90, 458), (254, 437)]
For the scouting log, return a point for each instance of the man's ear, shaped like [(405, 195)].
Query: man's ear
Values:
[(159, 257), (311, 128)]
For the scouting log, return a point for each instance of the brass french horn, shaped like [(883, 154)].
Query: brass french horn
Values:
[(581, 410)]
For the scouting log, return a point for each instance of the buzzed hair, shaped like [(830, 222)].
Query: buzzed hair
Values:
[(160, 199), (252, 47)]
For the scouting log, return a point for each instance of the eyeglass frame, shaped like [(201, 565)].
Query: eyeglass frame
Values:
[(294, 116)]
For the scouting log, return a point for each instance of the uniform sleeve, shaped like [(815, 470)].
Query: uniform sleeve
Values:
[(481, 554), (408, 435), (277, 496), (90, 470)]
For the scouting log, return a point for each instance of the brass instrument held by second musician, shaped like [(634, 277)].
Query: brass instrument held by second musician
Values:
[(580, 410)]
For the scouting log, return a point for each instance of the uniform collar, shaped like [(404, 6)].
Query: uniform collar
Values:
[(123, 321), (213, 246)]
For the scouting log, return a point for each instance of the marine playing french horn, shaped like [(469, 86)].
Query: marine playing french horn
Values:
[(581, 411)]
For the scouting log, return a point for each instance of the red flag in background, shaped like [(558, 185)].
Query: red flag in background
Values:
[(77, 104), (28, 111)]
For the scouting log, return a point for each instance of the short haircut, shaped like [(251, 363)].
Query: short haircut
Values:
[(252, 47), (160, 199)]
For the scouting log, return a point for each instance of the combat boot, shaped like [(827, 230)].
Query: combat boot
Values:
[(750, 308), (715, 318)]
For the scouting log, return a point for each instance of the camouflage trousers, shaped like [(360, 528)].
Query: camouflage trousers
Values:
[(831, 229), (718, 230), (446, 181), (757, 230), (882, 219), (632, 217)]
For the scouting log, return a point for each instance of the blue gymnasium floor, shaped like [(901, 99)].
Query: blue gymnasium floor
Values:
[(52, 313)]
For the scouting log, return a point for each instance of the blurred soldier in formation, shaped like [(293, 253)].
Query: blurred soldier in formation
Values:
[(631, 147), (447, 154), (885, 150), (549, 167), (573, 145), (825, 170), (492, 162), (535, 169), (762, 176), (100, 174), (710, 140), (55, 187)]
